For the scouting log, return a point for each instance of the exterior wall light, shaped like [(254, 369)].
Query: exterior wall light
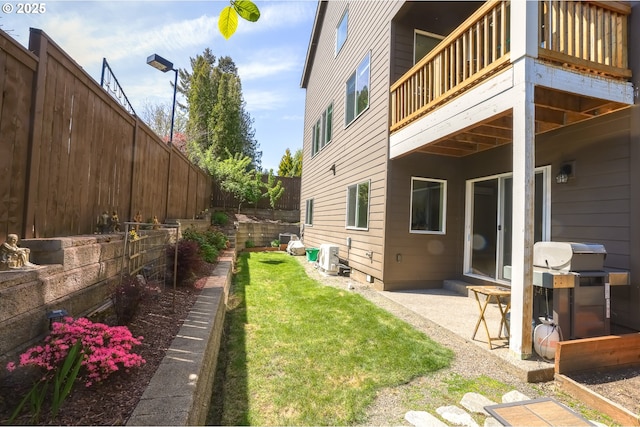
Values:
[(56, 316), (563, 175)]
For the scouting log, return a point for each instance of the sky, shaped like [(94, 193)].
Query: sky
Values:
[(269, 53)]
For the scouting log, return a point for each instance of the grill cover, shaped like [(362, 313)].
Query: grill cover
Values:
[(569, 256)]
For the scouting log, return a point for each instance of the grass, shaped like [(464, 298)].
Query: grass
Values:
[(299, 353)]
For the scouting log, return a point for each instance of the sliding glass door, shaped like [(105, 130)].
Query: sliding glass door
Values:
[(489, 216)]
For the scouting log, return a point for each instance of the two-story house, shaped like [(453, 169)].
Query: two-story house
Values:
[(443, 139)]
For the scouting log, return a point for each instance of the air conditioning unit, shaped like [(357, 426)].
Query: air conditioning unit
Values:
[(328, 260)]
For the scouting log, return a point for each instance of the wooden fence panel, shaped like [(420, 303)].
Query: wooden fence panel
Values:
[(16, 83), (71, 152), (289, 201)]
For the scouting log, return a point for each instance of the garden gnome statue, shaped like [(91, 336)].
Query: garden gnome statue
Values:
[(11, 256), (115, 222), (137, 218), (103, 223), (156, 223)]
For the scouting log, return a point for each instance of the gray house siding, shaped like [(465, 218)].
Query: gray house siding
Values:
[(422, 260), (358, 151)]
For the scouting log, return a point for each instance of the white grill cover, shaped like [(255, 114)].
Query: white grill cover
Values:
[(569, 256)]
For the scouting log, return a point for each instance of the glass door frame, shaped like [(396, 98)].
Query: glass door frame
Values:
[(468, 226)]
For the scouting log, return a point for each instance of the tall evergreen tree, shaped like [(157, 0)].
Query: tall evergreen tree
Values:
[(218, 122)]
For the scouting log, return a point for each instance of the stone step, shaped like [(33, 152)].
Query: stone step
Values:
[(474, 403)]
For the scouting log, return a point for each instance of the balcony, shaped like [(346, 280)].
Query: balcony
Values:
[(588, 38)]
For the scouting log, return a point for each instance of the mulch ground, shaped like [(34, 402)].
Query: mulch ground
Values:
[(112, 402)]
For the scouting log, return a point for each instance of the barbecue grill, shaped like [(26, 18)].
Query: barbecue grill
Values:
[(571, 278)]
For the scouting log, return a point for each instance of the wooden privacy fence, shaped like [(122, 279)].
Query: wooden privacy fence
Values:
[(290, 200), (68, 151)]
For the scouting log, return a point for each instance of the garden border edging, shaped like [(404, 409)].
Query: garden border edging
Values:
[(180, 391)]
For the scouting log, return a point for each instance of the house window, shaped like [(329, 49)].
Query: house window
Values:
[(358, 206), (358, 91), (428, 205), (308, 217), (341, 31), (322, 131), (423, 43)]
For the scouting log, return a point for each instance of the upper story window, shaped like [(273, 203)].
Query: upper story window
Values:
[(358, 91), (428, 205), (341, 31), (322, 131), (308, 216), (423, 43), (358, 206)]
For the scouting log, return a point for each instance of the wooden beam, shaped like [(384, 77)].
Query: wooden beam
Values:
[(599, 352), (504, 134)]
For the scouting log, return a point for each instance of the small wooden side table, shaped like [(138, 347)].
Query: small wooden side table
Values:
[(501, 296)]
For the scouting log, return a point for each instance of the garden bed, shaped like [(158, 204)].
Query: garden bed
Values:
[(112, 402)]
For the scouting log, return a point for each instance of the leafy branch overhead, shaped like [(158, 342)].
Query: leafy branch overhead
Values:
[(228, 20)]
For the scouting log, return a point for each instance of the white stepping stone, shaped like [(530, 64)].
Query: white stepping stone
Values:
[(475, 402), (514, 396), (491, 422), (423, 419), (456, 416)]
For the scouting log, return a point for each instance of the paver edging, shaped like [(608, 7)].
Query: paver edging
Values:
[(180, 391)]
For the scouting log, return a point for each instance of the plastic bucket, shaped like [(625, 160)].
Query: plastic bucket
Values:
[(312, 254)]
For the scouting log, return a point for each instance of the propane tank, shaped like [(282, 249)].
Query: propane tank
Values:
[(545, 338)]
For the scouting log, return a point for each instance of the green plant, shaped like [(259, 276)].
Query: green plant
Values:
[(219, 218), (275, 243), (75, 349), (249, 244), (210, 242)]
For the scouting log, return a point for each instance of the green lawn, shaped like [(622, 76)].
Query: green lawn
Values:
[(300, 353)]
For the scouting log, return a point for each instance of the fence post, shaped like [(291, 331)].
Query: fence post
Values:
[(133, 167), (37, 44)]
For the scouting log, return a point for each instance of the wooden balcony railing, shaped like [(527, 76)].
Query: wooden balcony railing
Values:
[(476, 49), (590, 36)]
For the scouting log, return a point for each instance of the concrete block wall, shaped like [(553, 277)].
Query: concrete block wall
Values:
[(179, 394), (262, 234), (77, 274)]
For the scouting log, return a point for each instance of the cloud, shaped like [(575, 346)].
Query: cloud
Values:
[(260, 100), (268, 63)]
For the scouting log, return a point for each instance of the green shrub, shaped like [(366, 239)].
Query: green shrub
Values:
[(275, 243), (219, 218), (249, 244), (210, 242)]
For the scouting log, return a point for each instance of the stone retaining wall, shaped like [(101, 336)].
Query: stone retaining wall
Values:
[(179, 393), (77, 274), (263, 233)]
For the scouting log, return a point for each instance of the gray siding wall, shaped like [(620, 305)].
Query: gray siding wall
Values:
[(359, 151), (425, 260)]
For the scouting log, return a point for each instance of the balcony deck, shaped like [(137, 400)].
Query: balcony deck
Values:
[(587, 40)]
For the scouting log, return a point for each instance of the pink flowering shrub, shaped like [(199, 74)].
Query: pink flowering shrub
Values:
[(104, 350)]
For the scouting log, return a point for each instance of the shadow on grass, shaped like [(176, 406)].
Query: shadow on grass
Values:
[(232, 353), (272, 262)]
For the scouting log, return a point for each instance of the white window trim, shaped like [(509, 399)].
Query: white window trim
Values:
[(306, 213), (355, 72), (417, 32), (443, 208), (346, 220), (345, 14), (321, 123)]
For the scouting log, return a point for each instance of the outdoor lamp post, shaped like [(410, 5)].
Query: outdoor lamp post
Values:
[(157, 61)]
